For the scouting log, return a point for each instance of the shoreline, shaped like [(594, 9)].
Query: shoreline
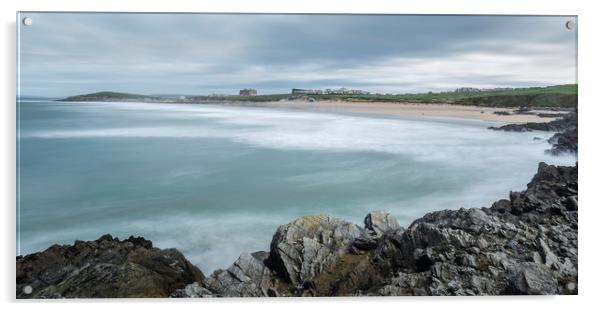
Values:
[(399, 109), (408, 109)]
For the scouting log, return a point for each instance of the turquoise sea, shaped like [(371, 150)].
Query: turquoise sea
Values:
[(216, 180)]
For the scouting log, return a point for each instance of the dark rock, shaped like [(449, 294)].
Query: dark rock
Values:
[(567, 121), (535, 279), (565, 142), (247, 277), (194, 290), (379, 222), (550, 115), (106, 267), (365, 242), (518, 246)]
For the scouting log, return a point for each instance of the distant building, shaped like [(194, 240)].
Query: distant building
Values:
[(467, 90), (341, 91), (502, 89), (248, 92), (477, 90), (306, 91), (345, 91)]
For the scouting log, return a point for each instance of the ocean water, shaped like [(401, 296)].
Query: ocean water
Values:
[(214, 180)]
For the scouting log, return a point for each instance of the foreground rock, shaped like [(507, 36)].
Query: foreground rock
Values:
[(106, 267), (379, 223), (525, 245)]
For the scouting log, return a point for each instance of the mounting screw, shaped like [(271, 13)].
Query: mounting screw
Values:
[(569, 25), (28, 21)]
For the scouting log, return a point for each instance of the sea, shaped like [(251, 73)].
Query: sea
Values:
[(216, 180)]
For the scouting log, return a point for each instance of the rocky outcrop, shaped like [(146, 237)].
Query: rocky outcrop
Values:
[(106, 267), (524, 245), (568, 121), (309, 246), (565, 141), (247, 277), (380, 222)]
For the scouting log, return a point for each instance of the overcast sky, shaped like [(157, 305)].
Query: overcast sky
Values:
[(66, 54)]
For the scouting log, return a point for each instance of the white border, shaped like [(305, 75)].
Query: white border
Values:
[(589, 105)]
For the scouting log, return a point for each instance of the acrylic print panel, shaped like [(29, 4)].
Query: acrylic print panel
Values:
[(250, 155)]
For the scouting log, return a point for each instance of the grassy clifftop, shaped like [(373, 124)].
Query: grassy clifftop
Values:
[(553, 96), (109, 96), (562, 96)]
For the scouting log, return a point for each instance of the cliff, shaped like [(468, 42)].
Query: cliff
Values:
[(109, 97), (555, 96), (525, 245)]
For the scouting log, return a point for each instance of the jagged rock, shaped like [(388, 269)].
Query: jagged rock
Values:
[(567, 121), (194, 290), (536, 279), (309, 246), (379, 222), (247, 277), (564, 142), (548, 257), (525, 245), (406, 284), (106, 267), (364, 242)]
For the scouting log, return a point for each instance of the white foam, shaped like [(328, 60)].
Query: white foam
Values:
[(282, 129), (214, 240)]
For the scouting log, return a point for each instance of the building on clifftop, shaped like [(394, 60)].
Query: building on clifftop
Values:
[(248, 92)]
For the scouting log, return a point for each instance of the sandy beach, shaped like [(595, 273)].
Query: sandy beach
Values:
[(414, 109)]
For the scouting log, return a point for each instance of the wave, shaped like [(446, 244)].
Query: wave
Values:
[(405, 166), (275, 129)]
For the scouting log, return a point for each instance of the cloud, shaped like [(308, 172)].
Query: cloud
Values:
[(71, 53)]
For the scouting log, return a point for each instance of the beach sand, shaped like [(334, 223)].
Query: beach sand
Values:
[(413, 109)]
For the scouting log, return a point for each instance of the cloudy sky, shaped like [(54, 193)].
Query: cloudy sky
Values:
[(63, 54)]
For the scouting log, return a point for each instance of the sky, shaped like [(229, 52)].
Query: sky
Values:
[(65, 54)]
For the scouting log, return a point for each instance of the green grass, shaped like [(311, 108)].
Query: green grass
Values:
[(564, 96), (106, 96), (257, 98)]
